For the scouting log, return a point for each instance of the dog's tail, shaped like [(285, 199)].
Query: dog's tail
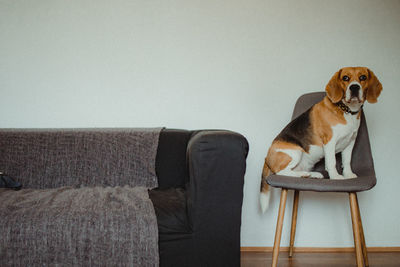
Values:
[(265, 192)]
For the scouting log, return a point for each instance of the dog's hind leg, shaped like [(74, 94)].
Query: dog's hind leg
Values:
[(291, 170), (295, 156)]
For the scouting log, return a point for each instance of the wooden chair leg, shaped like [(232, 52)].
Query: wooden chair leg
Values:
[(279, 225), (356, 229), (364, 247), (294, 221)]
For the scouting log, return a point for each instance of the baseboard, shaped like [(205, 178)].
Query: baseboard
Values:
[(319, 249)]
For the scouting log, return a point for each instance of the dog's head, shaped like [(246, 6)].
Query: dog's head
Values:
[(354, 85)]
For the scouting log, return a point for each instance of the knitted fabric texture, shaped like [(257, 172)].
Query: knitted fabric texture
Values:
[(84, 200), (90, 226), (52, 158)]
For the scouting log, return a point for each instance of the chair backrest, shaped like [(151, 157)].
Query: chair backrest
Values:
[(362, 162)]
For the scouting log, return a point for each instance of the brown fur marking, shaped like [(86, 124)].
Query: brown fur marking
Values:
[(324, 115), (374, 88), (277, 160)]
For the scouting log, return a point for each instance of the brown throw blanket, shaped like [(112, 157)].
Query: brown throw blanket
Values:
[(84, 200)]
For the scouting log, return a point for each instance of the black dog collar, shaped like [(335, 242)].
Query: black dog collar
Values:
[(346, 109)]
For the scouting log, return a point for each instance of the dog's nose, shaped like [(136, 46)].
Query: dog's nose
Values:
[(354, 88)]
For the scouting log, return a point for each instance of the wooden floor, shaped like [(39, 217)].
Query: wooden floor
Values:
[(263, 259)]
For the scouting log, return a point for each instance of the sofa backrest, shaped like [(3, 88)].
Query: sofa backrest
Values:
[(171, 162), (49, 158)]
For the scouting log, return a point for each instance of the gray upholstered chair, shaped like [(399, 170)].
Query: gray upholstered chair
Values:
[(362, 165)]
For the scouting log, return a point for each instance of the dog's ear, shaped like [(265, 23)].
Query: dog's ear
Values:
[(374, 88), (333, 88)]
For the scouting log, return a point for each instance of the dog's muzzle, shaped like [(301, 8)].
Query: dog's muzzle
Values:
[(354, 93), (354, 90)]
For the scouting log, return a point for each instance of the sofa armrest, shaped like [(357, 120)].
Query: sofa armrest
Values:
[(217, 164)]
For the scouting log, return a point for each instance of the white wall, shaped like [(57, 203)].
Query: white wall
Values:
[(238, 65)]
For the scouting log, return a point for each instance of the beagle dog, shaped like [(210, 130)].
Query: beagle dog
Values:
[(327, 128)]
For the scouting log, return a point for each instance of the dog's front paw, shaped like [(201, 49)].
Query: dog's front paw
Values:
[(337, 177), (316, 175), (349, 175)]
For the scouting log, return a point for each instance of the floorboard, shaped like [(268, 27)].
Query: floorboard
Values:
[(262, 259)]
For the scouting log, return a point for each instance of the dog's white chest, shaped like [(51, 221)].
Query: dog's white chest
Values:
[(344, 134)]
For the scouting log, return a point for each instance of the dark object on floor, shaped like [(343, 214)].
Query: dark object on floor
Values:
[(8, 182)]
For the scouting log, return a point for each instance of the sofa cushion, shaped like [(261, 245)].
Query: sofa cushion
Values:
[(171, 210), (175, 231), (78, 226)]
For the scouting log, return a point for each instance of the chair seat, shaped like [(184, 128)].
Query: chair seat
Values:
[(358, 184)]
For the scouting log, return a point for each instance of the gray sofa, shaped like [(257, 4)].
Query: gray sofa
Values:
[(85, 198)]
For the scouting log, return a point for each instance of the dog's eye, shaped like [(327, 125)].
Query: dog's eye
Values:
[(363, 78), (346, 78)]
